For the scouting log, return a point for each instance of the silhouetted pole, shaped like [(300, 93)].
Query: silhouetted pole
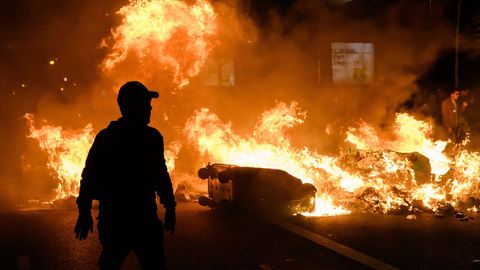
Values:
[(457, 42)]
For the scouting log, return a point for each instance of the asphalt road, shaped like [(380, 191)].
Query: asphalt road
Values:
[(426, 242), (204, 239)]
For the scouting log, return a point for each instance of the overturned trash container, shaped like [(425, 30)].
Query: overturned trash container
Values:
[(256, 190)]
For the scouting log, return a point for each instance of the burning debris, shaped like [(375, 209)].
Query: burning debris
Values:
[(412, 217), (409, 173), (460, 216), (189, 188)]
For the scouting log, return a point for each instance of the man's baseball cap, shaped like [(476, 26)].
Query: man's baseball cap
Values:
[(133, 92)]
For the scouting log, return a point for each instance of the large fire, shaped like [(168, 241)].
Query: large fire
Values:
[(411, 171), (67, 151), (377, 175), (177, 35), (411, 136), (174, 35), (406, 171)]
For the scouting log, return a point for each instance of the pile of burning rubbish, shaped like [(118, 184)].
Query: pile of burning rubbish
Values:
[(408, 186), (409, 173)]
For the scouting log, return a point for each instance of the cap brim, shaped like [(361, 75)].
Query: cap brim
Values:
[(153, 94)]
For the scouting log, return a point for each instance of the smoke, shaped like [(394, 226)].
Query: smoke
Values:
[(290, 59), (279, 52)]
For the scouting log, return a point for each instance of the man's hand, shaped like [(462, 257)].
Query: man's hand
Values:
[(83, 226), (170, 220)]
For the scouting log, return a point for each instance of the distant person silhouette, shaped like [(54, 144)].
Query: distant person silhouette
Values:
[(450, 115), (124, 170)]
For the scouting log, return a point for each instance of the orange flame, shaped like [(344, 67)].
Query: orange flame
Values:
[(171, 153), (379, 176), (269, 147), (176, 35), (382, 175), (411, 136), (67, 150)]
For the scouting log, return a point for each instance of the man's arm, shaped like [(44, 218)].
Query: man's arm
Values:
[(164, 190), (88, 189)]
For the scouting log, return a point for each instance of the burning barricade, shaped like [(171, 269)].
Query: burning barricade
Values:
[(256, 190), (399, 174), (403, 173)]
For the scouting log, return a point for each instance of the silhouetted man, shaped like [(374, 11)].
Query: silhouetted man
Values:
[(124, 171), (450, 114)]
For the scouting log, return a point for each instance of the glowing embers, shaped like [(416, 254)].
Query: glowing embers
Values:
[(169, 33)]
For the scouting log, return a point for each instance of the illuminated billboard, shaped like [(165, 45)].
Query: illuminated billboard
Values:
[(352, 63)]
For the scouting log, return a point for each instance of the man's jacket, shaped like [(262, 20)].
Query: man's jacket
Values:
[(124, 170)]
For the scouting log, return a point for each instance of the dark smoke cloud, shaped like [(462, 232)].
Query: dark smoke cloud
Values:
[(295, 36)]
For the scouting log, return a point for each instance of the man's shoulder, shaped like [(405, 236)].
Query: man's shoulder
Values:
[(111, 130), (154, 132), (115, 129), (103, 133)]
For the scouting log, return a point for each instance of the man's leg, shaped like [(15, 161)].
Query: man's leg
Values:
[(149, 247), (115, 247), (112, 257)]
